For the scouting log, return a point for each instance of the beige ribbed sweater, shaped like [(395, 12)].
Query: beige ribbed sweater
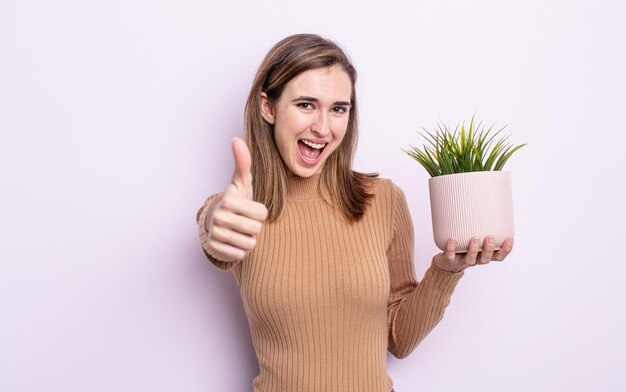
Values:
[(326, 298)]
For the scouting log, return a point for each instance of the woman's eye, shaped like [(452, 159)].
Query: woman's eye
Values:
[(339, 109), (305, 105)]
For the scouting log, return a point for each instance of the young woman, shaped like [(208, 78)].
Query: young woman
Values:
[(323, 255)]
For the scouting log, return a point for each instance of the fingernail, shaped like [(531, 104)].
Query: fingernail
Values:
[(490, 240), (474, 240)]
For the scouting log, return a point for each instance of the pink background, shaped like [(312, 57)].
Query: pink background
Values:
[(115, 121)]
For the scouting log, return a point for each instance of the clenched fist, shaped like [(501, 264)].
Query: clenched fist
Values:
[(236, 219)]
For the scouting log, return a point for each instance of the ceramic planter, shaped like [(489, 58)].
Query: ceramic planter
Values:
[(464, 205)]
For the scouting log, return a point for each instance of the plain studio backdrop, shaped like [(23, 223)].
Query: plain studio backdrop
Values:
[(116, 118)]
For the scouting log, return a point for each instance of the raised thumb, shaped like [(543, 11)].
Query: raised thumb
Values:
[(242, 177)]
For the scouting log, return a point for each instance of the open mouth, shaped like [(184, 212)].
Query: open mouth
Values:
[(310, 152)]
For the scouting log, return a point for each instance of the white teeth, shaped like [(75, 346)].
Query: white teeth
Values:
[(313, 145)]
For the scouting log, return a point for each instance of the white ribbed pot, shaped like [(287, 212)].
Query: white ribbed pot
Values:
[(464, 205)]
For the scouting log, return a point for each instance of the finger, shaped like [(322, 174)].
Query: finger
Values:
[(488, 246), (242, 206), (239, 223), (225, 252), (505, 249), (450, 251), (447, 259), (472, 251), (231, 237), (242, 177)]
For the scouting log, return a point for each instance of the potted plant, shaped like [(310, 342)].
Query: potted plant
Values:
[(470, 195)]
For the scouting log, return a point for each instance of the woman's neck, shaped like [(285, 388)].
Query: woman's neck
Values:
[(304, 188)]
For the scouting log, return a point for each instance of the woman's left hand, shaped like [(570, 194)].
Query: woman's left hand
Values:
[(451, 261)]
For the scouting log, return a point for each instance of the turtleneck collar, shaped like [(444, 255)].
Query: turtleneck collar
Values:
[(304, 188)]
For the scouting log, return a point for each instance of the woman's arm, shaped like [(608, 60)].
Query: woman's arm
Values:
[(414, 309)]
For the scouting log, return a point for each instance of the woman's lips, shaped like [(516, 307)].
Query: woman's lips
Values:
[(310, 152)]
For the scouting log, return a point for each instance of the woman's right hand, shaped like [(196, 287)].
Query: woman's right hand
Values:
[(236, 219)]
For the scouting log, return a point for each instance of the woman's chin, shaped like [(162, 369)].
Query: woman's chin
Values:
[(305, 173), (301, 169)]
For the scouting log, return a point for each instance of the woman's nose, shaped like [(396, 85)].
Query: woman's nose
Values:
[(321, 124)]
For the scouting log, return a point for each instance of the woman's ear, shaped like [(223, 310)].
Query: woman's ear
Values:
[(267, 109)]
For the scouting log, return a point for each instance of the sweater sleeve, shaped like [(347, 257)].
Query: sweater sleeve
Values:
[(414, 309), (203, 233)]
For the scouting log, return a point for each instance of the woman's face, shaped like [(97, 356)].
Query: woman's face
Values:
[(310, 118)]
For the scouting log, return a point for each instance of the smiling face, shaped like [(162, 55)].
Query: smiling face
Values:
[(310, 118)]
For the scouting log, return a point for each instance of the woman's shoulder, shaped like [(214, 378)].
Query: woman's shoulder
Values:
[(382, 185), (388, 200), (386, 191)]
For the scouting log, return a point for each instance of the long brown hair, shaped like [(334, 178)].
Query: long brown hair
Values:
[(348, 190)]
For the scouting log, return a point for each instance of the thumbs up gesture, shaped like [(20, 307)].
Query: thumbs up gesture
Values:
[(236, 219)]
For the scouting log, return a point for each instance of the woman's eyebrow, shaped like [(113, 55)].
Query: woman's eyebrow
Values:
[(313, 99)]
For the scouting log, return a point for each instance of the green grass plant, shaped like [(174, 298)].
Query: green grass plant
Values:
[(467, 150)]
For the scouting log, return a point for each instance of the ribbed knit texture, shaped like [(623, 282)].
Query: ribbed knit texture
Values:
[(326, 298)]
